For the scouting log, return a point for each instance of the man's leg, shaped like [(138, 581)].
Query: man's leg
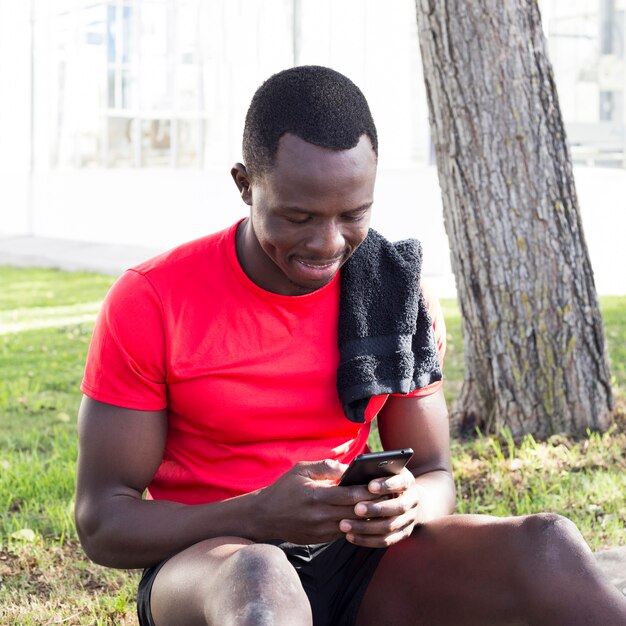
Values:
[(481, 570), (226, 582)]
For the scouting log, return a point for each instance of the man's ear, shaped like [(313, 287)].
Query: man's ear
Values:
[(242, 180)]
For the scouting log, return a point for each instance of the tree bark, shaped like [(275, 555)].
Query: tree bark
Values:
[(535, 355)]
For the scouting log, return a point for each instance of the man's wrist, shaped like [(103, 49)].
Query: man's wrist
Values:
[(436, 496)]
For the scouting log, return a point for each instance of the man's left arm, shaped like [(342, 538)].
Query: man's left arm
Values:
[(422, 492), (422, 423)]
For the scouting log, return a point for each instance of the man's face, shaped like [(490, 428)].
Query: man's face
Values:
[(308, 214)]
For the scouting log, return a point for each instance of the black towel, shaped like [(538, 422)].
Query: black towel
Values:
[(386, 339)]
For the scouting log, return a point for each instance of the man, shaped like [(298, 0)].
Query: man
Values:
[(211, 383)]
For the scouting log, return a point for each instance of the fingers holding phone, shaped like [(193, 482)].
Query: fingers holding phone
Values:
[(304, 505), (391, 517), (384, 521)]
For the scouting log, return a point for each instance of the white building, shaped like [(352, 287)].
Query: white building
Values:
[(120, 120)]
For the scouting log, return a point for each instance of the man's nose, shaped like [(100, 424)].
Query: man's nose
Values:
[(327, 241)]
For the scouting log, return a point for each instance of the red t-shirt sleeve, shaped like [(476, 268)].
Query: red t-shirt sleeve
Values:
[(126, 363)]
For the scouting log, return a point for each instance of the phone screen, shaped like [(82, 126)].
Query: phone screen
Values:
[(366, 467)]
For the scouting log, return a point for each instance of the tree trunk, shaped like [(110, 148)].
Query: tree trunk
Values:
[(535, 356)]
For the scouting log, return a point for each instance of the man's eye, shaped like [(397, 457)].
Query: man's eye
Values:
[(302, 220), (355, 217)]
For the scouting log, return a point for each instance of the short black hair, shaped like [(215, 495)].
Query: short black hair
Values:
[(316, 103)]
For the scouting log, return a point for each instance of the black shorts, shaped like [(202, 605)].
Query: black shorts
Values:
[(334, 575)]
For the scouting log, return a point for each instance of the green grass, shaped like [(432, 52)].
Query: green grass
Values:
[(453, 364), (46, 319), (584, 480), (31, 288), (614, 315)]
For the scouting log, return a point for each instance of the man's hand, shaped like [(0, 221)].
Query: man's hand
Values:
[(390, 517), (305, 505)]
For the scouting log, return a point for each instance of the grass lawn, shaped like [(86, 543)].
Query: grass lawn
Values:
[(46, 318)]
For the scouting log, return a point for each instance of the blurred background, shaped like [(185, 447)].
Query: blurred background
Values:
[(120, 120)]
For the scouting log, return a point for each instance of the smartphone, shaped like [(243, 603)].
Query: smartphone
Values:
[(366, 467)]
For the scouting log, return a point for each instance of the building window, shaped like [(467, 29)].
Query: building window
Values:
[(587, 49), (118, 84), (165, 83)]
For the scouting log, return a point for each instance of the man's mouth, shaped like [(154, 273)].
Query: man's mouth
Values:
[(317, 265), (318, 270)]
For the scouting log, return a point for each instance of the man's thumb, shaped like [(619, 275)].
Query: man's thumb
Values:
[(328, 469)]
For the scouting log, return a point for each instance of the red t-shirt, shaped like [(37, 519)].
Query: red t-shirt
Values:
[(248, 377)]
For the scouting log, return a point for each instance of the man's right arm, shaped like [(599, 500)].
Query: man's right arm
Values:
[(120, 451)]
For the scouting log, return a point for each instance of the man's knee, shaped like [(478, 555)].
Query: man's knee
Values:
[(263, 567), (252, 584), (556, 535), (263, 586), (550, 543)]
